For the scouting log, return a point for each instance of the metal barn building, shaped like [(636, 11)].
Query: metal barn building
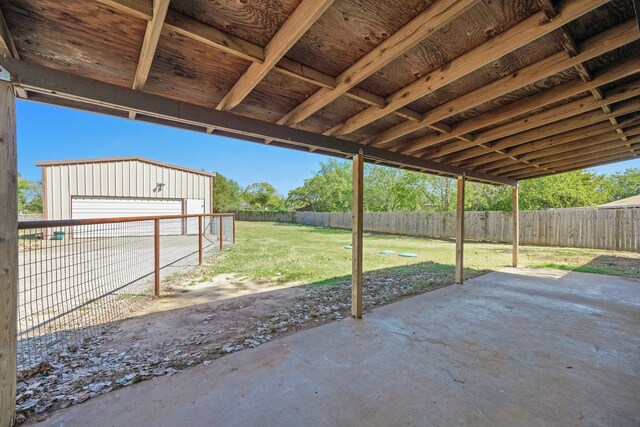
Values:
[(122, 187)]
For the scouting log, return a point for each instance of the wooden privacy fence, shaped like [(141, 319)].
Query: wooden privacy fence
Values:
[(617, 229)]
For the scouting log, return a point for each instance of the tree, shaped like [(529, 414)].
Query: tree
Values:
[(262, 195), (227, 194), (329, 190), (484, 197), (388, 190), (29, 196), (624, 184), (579, 188)]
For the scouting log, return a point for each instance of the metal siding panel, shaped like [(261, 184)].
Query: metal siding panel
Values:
[(153, 181), (65, 198), (112, 178), (126, 175), (141, 172), (51, 183), (117, 178), (168, 184), (173, 191), (73, 179), (81, 180), (104, 179), (207, 206), (88, 175), (50, 193), (95, 173), (132, 179)]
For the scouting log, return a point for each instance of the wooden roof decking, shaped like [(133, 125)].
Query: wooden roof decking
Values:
[(498, 90)]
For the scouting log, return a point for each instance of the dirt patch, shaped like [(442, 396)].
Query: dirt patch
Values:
[(195, 324)]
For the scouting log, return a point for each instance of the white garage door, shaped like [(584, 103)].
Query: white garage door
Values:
[(90, 208)]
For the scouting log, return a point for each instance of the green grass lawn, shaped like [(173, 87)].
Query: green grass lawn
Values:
[(314, 255)]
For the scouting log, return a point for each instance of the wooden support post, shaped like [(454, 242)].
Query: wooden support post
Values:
[(221, 233), (460, 232), (156, 257), (356, 236), (516, 226), (8, 253), (234, 228), (200, 219)]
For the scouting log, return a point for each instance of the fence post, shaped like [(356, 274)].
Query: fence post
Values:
[(234, 228), (156, 247), (221, 217), (200, 219)]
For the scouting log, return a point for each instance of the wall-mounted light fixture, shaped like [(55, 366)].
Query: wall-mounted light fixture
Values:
[(159, 187)]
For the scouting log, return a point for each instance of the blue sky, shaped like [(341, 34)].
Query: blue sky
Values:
[(54, 133)]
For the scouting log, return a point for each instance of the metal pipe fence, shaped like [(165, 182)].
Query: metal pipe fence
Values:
[(75, 276)]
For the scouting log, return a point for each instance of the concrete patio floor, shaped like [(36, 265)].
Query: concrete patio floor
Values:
[(515, 347)]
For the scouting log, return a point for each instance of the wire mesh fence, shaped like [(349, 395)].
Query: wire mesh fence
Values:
[(76, 276)]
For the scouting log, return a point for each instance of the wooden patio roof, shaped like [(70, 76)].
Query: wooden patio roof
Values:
[(494, 90)]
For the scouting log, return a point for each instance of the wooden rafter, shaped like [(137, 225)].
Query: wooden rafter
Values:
[(570, 47), (142, 9), (433, 18), (150, 42), (8, 47), (496, 151), (591, 160), (592, 131), (532, 156), (307, 12), (506, 42), (212, 37), (546, 159), (547, 117), (109, 98), (525, 105), (593, 47)]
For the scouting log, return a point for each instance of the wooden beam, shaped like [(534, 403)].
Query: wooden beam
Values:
[(552, 115), (549, 162), (7, 45), (550, 129), (522, 106), (560, 140), (539, 157), (357, 228), (506, 42), (620, 154), (602, 160), (150, 42), (515, 240), (570, 47), (437, 15), (460, 231), (636, 7), (307, 12), (89, 94), (8, 253), (501, 150), (212, 37), (564, 158), (597, 45), (141, 9)]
